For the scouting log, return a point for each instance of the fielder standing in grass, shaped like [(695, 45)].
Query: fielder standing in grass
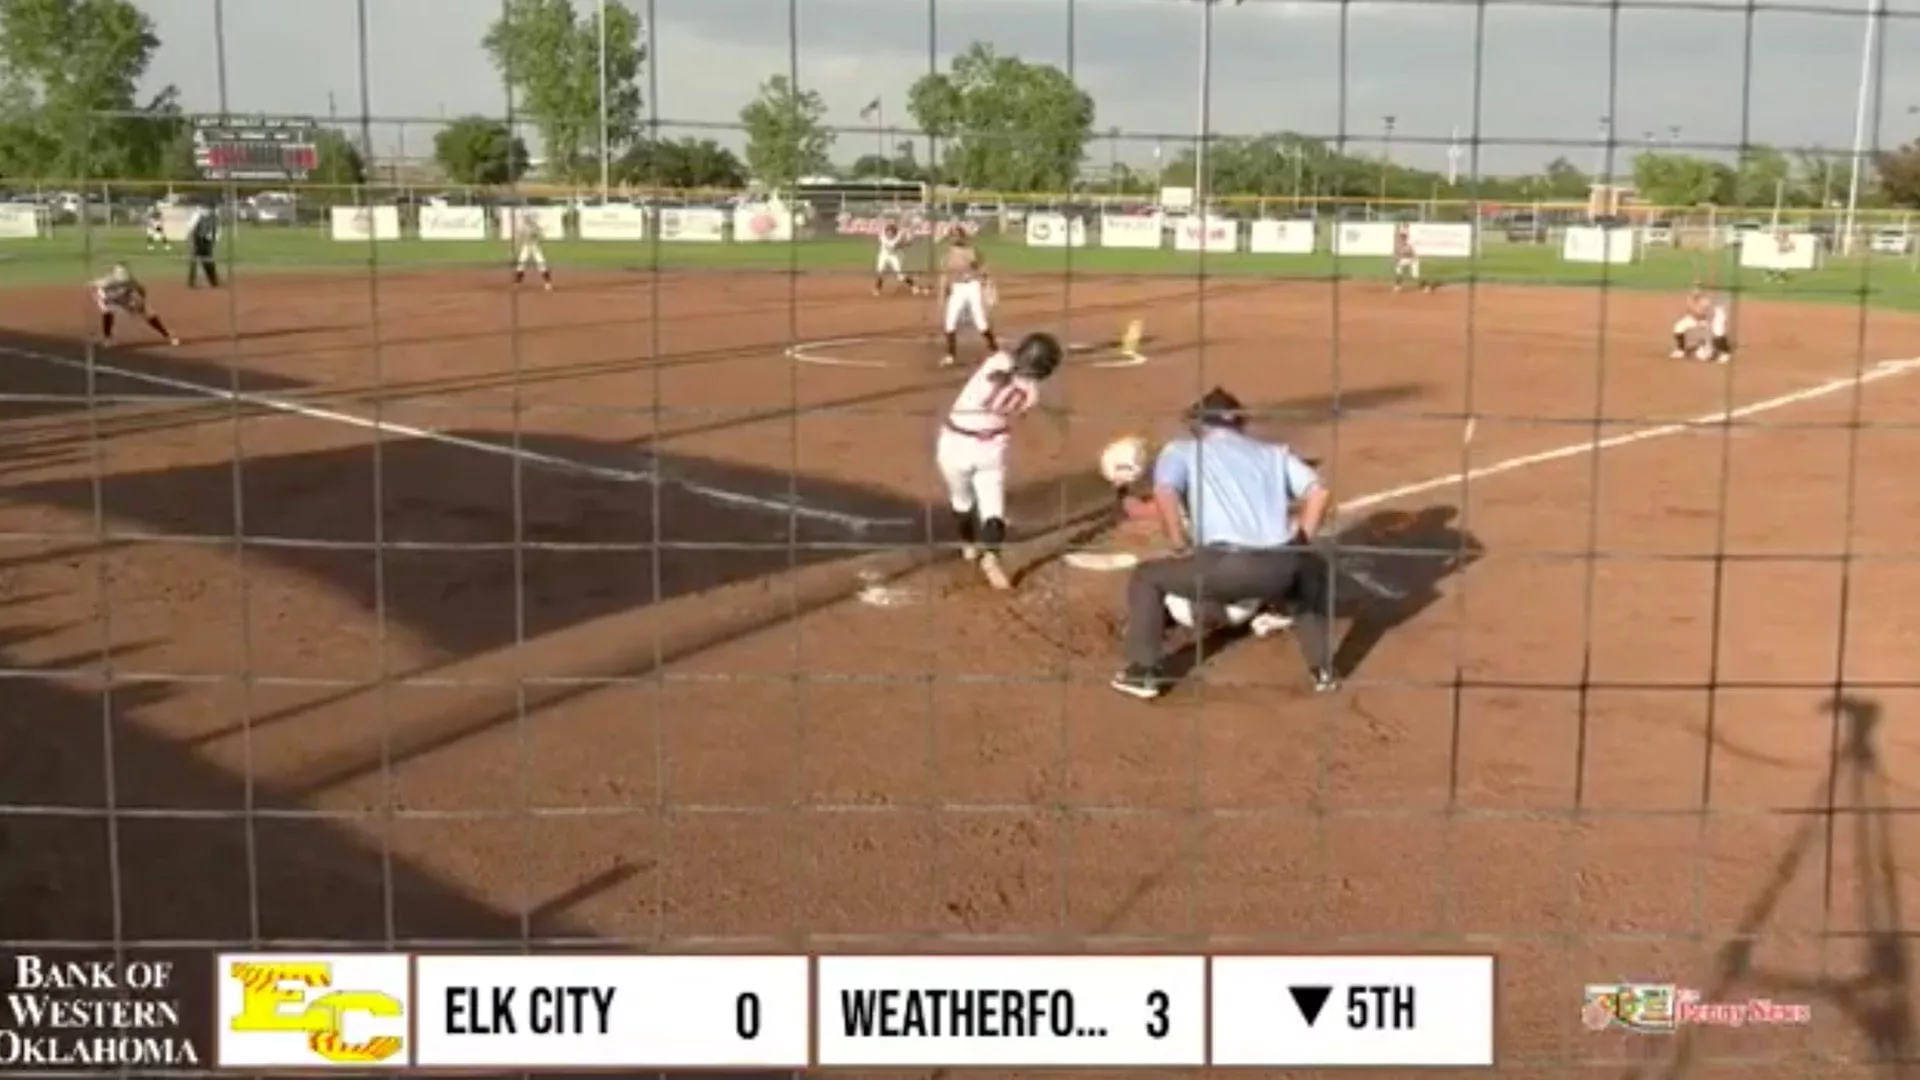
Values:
[(1227, 503), (202, 240)]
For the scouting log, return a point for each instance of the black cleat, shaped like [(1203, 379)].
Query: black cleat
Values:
[(1141, 682)]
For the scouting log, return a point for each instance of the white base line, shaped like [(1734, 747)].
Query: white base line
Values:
[(1885, 369), (853, 522)]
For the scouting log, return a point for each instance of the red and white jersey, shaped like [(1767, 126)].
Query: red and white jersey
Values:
[(890, 240), (1402, 244), (992, 399)]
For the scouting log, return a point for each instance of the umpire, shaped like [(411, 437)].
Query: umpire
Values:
[(1239, 494), (202, 239)]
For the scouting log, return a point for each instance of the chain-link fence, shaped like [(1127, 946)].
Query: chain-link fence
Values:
[(405, 604)]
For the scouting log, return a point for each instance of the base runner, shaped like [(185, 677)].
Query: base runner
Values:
[(526, 237), (892, 239), (119, 292), (974, 442), (1707, 320), (963, 281)]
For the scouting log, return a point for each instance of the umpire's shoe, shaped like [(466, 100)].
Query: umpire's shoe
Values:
[(1144, 683)]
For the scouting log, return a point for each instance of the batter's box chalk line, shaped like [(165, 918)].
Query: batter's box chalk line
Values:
[(1343, 515), (793, 508), (828, 352)]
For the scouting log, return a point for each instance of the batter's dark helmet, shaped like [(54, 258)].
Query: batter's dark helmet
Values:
[(1037, 356)]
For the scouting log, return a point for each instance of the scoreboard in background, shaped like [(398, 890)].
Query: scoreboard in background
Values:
[(648, 1012), (270, 148)]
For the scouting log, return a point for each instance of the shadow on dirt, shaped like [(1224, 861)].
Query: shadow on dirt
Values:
[(189, 870), (1851, 810), (1391, 565)]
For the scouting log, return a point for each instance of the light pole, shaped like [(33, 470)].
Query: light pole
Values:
[(1205, 103), (1386, 158), (606, 164), (1673, 134), (1600, 151), (1864, 93)]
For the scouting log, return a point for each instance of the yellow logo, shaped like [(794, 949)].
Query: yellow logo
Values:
[(268, 988)]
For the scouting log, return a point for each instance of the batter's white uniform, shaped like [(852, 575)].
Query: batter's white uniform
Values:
[(888, 261), (972, 448), (526, 237)]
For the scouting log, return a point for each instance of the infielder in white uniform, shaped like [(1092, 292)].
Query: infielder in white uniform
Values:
[(892, 239), (975, 439), (157, 231), (1707, 320), (1406, 261), (963, 281), (118, 293), (526, 238)]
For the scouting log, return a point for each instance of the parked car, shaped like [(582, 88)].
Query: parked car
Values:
[(1890, 240), (1658, 232), (1526, 229)]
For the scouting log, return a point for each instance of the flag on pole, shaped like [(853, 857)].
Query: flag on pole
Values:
[(872, 110)]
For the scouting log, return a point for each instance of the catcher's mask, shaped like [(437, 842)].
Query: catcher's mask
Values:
[(1217, 408), (1037, 356)]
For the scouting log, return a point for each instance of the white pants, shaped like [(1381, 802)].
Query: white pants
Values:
[(156, 234), (1407, 267), (975, 472), (530, 255), (888, 263), (1715, 325), (1180, 610), (969, 300)]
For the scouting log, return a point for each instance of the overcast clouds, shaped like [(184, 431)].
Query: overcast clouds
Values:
[(1544, 71)]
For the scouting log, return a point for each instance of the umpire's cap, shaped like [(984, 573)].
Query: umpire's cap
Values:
[(1217, 408)]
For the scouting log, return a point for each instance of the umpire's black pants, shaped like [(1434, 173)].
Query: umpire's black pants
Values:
[(201, 261), (1293, 579)]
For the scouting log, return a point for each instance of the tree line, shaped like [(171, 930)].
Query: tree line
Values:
[(70, 108)]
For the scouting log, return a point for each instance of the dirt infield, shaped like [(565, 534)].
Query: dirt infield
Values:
[(541, 629)]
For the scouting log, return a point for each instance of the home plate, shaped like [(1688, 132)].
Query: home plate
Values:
[(875, 591), (1101, 561)]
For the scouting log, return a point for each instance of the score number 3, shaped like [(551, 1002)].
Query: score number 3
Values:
[(1158, 1023)]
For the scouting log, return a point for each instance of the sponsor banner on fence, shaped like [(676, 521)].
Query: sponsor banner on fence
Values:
[(1209, 234), (1055, 231), (1441, 239), (453, 223), (915, 225), (1780, 251), (1282, 238), (693, 225), (613, 223), (1363, 238), (552, 220), (1131, 231), (762, 223), (1590, 244), (365, 223), (19, 221)]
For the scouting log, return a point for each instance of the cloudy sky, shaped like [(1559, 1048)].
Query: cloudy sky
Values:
[(1522, 75)]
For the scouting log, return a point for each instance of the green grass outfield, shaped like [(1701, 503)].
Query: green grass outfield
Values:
[(72, 256)]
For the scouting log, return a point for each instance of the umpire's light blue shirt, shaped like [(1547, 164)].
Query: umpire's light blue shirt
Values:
[(1239, 490)]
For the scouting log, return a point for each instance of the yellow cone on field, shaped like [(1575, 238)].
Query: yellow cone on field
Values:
[(1130, 341)]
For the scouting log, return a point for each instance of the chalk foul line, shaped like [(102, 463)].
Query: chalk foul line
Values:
[(1885, 369), (853, 522)]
